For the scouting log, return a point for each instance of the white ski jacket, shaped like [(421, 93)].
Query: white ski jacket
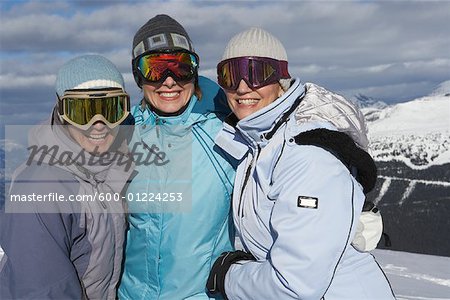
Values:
[(295, 208)]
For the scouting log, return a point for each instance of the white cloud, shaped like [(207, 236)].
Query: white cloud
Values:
[(435, 63), (10, 81), (378, 68), (10, 145)]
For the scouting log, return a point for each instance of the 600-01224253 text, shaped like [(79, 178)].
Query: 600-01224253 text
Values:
[(137, 197)]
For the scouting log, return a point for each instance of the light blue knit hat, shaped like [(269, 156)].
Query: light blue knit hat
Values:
[(88, 72)]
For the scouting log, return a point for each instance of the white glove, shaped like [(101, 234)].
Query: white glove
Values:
[(368, 231)]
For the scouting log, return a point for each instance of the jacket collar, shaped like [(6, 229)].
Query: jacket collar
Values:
[(154, 118), (260, 126)]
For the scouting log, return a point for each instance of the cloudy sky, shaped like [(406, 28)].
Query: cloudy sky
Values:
[(393, 51)]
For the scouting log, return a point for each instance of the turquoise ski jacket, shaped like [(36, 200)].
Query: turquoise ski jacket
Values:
[(179, 202)]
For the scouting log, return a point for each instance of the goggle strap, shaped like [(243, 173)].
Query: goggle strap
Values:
[(283, 66), (94, 119), (100, 93), (60, 105)]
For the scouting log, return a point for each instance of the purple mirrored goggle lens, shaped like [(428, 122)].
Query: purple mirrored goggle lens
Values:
[(255, 71)]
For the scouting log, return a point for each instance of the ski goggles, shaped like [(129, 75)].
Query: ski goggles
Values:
[(82, 108), (155, 67), (254, 70)]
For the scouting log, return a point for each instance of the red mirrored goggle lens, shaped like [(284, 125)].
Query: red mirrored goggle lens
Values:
[(255, 71), (155, 67)]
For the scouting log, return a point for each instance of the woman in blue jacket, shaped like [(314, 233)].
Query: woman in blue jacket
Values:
[(299, 187), (179, 201)]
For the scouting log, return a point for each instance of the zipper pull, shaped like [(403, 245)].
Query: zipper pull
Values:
[(247, 178), (157, 127), (244, 184)]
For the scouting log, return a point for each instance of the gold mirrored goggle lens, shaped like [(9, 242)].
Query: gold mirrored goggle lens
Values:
[(81, 111), (80, 108)]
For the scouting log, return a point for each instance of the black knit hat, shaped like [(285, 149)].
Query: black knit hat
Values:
[(161, 33)]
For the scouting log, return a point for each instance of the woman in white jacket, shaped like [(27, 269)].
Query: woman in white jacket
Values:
[(299, 187)]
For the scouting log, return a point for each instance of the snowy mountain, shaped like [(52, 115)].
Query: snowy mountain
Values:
[(410, 143), (368, 102), (442, 89), (416, 132)]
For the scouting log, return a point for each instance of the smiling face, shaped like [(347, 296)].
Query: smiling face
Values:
[(98, 138), (244, 101), (169, 96)]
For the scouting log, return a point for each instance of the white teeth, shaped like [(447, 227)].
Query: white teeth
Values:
[(248, 101), (97, 136), (169, 95)]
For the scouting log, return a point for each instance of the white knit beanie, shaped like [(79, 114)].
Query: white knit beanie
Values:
[(257, 42)]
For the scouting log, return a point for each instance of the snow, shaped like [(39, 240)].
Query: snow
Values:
[(408, 191), (383, 190), (421, 116), (431, 182), (416, 133), (416, 276), (413, 276), (441, 89)]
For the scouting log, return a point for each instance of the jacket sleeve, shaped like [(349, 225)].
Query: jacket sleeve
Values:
[(311, 224), (37, 253), (37, 260)]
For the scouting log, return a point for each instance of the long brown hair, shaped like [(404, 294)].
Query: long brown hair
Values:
[(198, 90)]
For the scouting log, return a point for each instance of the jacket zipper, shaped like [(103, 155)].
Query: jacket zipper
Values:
[(246, 178), (157, 122)]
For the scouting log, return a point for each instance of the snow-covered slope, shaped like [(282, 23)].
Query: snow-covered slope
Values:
[(442, 89), (416, 132), (420, 116), (410, 143), (416, 276)]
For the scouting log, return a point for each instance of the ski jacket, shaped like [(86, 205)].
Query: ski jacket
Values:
[(63, 250), (295, 208), (172, 245)]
